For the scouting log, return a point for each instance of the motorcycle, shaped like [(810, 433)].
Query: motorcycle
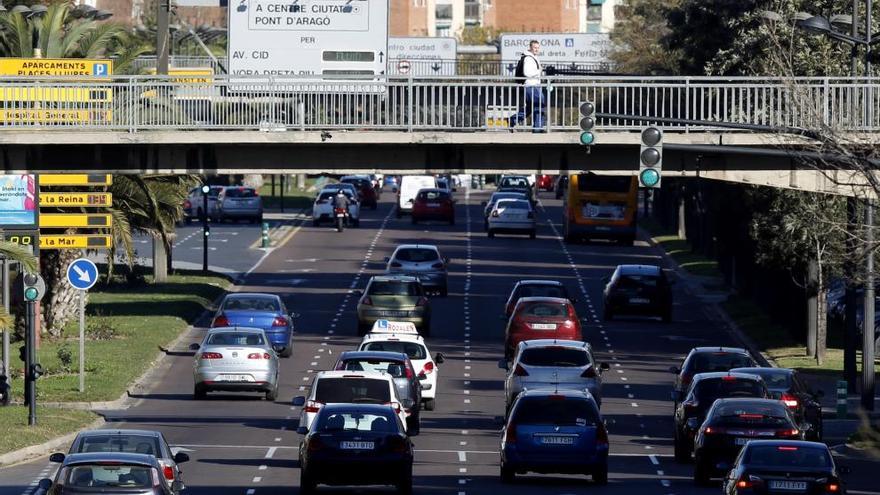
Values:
[(341, 218)]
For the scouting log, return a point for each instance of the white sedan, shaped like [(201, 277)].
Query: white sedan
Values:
[(322, 210), (514, 216)]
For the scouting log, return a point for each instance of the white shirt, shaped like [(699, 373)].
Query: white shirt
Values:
[(532, 69)]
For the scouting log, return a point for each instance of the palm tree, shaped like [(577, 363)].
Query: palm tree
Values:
[(14, 252)]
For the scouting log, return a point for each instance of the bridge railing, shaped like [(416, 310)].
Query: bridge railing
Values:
[(139, 103)]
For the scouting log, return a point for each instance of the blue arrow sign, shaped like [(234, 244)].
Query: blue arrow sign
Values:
[(82, 274)]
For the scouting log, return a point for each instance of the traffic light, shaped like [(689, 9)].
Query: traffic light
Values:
[(651, 158), (36, 371), (33, 287), (586, 123)]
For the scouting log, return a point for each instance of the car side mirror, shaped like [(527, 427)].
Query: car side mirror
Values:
[(181, 457), (805, 427), (844, 469), (410, 201), (302, 430), (422, 376), (194, 346), (604, 366), (294, 316), (387, 259), (447, 260), (298, 401), (573, 300), (56, 457), (502, 364), (45, 484), (439, 358), (674, 370)]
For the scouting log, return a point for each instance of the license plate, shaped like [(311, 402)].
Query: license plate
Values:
[(395, 313), (557, 440), (234, 378), (788, 485), (639, 300), (543, 326), (356, 445), (742, 441), (433, 205)]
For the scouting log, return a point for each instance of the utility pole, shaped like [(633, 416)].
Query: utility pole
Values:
[(206, 230), (868, 385), (163, 14)]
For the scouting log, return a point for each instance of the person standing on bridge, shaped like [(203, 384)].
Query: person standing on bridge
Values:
[(528, 73)]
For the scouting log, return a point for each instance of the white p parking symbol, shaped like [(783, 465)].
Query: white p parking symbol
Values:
[(100, 70)]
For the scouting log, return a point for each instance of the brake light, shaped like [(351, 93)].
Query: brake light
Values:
[(409, 373), (315, 443), (728, 378), (589, 373), (187, 204), (510, 433), (211, 355), (220, 321), (832, 488), (279, 321), (257, 355), (572, 315), (788, 432), (397, 444), (786, 448), (168, 471), (520, 371), (429, 368), (423, 301), (713, 430), (367, 301), (395, 264), (394, 405), (556, 397), (789, 400), (154, 474), (686, 379), (601, 436), (438, 266), (751, 416), (313, 406), (743, 484)]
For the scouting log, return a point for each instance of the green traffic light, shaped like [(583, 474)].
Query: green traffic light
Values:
[(649, 177), (31, 294), (587, 137)]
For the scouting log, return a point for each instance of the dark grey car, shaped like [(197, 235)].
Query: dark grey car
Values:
[(396, 364), (109, 473)]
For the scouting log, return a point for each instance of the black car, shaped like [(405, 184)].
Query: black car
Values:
[(355, 444), (517, 183), (705, 360), (705, 389), (784, 466), (731, 424), (786, 385), (398, 365), (109, 473), (535, 288), (638, 290), (561, 186)]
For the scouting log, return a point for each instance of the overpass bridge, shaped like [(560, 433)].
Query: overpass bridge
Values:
[(228, 124)]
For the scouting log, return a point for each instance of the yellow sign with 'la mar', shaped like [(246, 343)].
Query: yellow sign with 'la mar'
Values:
[(74, 241)]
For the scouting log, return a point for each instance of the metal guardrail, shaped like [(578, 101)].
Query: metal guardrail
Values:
[(426, 104)]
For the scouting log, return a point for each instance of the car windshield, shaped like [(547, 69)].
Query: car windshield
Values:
[(557, 412), (395, 288), (245, 303), (113, 474), (416, 255), (541, 291), (236, 338), (134, 444), (432, 196), (635, 281), (514, 182), (705, 362), (356, 421), (413, 350), (514, 204), (555, 356), (396, 369), (543, 309), (749, 414), (786, 456), (240, 192), (715, 388), (352, 390)]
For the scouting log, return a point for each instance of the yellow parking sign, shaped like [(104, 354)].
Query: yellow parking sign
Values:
[(48, 67)]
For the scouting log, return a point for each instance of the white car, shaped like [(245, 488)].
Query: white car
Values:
[(395, 336), (514, 216), (322, 210), (410, 185), (348, 387)]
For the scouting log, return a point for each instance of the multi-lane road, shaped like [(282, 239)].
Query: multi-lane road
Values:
[(242, 445)]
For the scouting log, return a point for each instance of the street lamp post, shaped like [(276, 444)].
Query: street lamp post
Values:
[(206, 230)]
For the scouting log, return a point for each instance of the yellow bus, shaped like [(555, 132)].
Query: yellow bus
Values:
[(601, 207)]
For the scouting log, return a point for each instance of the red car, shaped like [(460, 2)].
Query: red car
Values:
[(433, 204), (545, 183), (541, 318)]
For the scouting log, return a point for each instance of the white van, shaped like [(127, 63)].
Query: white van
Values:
[(409, 188)]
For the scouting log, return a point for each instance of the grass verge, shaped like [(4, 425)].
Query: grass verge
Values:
[(680, 250), (294, 198), (867, 437), (51, 423), (124, 329)]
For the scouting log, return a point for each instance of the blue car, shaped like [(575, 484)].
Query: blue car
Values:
[(554, 431), (264, 311)]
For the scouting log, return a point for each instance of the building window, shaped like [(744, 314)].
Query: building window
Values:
[(420, 3), (594, 13), (443, 31), (443, 12)]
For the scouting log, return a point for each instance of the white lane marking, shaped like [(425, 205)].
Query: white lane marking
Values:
[(270, 452), (462, 456), (251, 491), (653, 458), (277, 439), (257, 479), (262, 467)]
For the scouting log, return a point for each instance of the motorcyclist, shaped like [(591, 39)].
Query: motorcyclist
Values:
[(341, 200)]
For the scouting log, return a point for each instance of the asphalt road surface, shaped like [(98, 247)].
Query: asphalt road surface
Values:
[(243, 445)]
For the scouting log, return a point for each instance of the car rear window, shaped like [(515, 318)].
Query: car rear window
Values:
[(356, 421), (716, 388), (416, 255), (232, 338), (133, 444), (705, 362), (514, 204), (433, 196), (541, 291), (240, 192), (411, 349), (555, 356), (352, 390), (550, 411), (97, 476), (395, 288), (244, 303), (542, 309), (749, 414), (506, 195), (773, 378), (514, 182), (397, 369), (635, 281), (787, 456)]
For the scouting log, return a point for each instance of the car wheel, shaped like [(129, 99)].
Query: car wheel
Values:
[(430, 404), (682, 453), (404, 485), (271, 395), (307, 485), (485, 226), (288, 351), (452, 221), (399, 213), (533, 234), (187, 221), (357, 222), (315, 222), (491, 234), (600, 475), (200, 392), (701, 473), (413, 425), (375, 206), (507, 475)]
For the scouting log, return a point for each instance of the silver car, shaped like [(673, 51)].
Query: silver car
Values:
[(235, 359), (496, 196), (422, 261), (237, 202), (567, 364), (512, 216)]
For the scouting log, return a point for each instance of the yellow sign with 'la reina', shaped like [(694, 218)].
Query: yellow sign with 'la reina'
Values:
[(48, 67)]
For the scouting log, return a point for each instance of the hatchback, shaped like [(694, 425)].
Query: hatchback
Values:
[(705, 389), (109, 473), (356, 444), (517, 183), (541, 318), (235, 203), (784, 466), (422, 261), (554, 431), (512, 216), (368, 196), (496, 196), (254, 310), (536, 288), (544, 183), (433, 204), (393, 297), (235, 359), (565, 364), (322, 209), (786, 385), (707, 359), (638, 290), (732, 423), (194, 204)]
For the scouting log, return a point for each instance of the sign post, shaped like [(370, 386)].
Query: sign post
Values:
[(82, 274)]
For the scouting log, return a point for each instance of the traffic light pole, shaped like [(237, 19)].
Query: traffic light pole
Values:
[(205, 230), (31, 354)]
